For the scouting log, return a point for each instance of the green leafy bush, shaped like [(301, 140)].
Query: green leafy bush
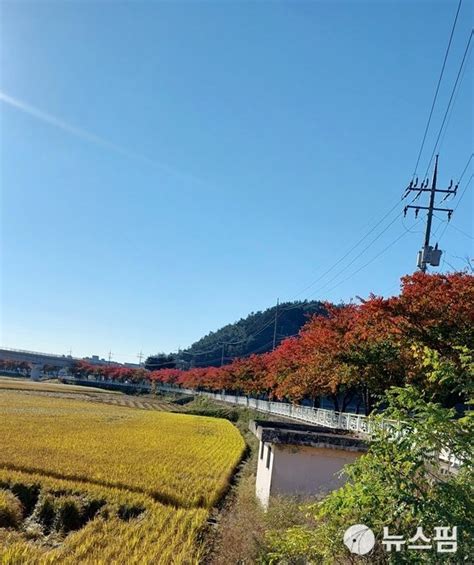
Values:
[(398, 483)]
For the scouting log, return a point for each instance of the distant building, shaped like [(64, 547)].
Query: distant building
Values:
[(96, 360)]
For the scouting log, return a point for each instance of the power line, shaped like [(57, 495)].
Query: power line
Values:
[(199, 353), (374, 258), (460, 198), (384, 250), (449, 265), (207, 363), (280, 311), (269, 323), (358, 255), (462, 231), (276, 322), (416, 166), (450, 101), (247, 338), (451, 112), (457, 229), (363, 238), (463, 192), (258, 349), (467, 260), (465, 168), (437, 89), (266, 345)]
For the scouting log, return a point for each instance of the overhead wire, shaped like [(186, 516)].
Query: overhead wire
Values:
[(361, 240), (437, 88), (460, 197), (456, 95), (358, 255), (373, 258), (461, 66)]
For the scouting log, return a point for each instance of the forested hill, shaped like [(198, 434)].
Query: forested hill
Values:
[(253, 334)]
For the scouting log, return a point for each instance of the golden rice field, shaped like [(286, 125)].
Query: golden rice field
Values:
[(135, 486), (93, 394), (10, 383)]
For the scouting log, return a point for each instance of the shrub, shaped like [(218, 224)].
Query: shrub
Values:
[(11, 510), (398, 483), (214, 412)]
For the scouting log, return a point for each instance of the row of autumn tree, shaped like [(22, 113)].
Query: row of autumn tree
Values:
[(353, 352), (23, 368)]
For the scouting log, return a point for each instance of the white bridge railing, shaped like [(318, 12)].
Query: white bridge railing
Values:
[(320, 416), (329, 418)]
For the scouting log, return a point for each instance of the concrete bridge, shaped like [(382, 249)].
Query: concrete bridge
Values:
[(36, 359)]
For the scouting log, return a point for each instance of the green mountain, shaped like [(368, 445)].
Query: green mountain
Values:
[(253, 334)]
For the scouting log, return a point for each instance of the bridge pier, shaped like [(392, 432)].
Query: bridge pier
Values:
[(36, 360), (35, 372)]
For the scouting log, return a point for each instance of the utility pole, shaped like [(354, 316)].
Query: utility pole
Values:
[(429, 255), (275, 324), (110, 357), (140, 357), (223, 353), (429, 219)]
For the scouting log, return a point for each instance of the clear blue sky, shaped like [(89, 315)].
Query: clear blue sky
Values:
[(169, 167)]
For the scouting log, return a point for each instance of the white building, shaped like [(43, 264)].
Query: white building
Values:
[(299, 459)]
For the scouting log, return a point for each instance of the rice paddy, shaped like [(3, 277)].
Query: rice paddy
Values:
[(151, 477)]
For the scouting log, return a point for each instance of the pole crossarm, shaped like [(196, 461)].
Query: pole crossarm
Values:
[(429, 255), (445, 190), (449, 210)]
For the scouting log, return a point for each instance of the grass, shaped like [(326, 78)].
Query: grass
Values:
[(156, 474)]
